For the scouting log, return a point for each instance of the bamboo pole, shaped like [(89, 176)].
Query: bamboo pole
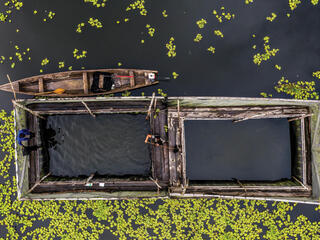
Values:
[(89, 178), (14, 93), (298, 118), (28, 110), (150, 106), (38, 182), (90, 112)]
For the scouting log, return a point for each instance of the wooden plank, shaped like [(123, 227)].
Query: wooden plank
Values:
[(132, 80), (101, 81), (85, 83), (303, 152), (41, 85)]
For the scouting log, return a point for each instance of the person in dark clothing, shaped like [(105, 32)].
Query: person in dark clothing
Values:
[(24, 135), (156, 140), (28, 149)]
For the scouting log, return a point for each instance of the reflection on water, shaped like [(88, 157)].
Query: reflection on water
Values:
[(248, 150), (110, 144)]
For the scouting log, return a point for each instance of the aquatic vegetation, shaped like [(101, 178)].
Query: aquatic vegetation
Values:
[(70, 68), (260, 57), (142, 41), (316, 74), (97, 3), (273, 16), (161, 93), (126, 94), (218, 33), (226, 15), (61, 64), (175, 75), (299, 90), (201, 23), (44, 62), (248, 1), (212, 49), (126, 20), (35, 12), (78, 55), (51, 15), (293, 4), (79, 27), (171, 47), (138, 5), (263, 94), (254, 47), (198, 38), (277, 67), (9, 6), (314, 2), (119, 64), (151, 30), (164, 13), (95, 23)]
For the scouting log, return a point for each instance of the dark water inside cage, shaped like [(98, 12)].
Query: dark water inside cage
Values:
[(110, 144), (223, 150)]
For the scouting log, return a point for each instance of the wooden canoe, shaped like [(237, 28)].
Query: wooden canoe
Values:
[(80, 83)]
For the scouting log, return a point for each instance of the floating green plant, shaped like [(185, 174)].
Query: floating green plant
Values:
[(277, 67), (201, 23), (260, 57), (151, 30), (218, 33), (171, 47), (273, 16), (126, 94), (212, 49), (293, 4), (175, 75), (316, 74), (79, 27), (44, 62), (78, 55), (97, 3), (263, 94), (138, 5), (198, 38), (164, 13), (95, 23), (223, 14), (61, 64), (248, 1), (299, 90)]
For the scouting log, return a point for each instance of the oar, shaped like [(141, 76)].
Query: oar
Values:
[(57, 91)]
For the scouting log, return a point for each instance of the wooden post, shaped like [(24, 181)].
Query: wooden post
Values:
[(28, 110), (89, 178), (303, 152), (88, 109), (14, 93)]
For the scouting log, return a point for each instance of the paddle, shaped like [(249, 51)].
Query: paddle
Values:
[(157, 79), (57, 91)]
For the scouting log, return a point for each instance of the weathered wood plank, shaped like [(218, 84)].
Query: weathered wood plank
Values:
[(85, 83)]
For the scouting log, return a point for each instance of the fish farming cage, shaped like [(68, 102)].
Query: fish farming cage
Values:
[(303, 118), (36, 182), (168, 176)]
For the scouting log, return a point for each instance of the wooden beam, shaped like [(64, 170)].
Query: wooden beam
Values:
[(132, 80), (85, 83), (14, 93), (303, 152), (150, 106), (41, 86), (88, 109), (28, 110), (301, 117), (38, 182)]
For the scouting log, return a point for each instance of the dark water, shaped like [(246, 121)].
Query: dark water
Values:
[(222, 150), (230, 72), (110, 144)]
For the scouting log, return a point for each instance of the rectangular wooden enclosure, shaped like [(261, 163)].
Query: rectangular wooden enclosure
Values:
[(168, 175)]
